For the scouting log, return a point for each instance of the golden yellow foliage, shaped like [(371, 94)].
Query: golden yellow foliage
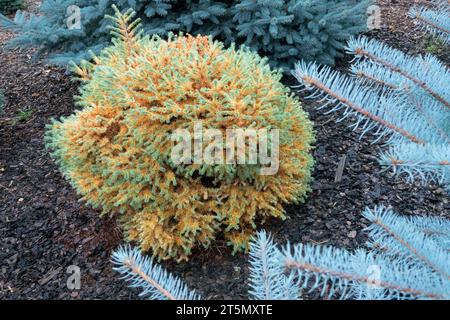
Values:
[(116, 151)]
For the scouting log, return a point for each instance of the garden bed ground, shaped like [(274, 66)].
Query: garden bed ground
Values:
[(44, 228)]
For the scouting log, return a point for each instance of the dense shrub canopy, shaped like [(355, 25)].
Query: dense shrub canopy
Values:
[(116, 150), (283, 30)]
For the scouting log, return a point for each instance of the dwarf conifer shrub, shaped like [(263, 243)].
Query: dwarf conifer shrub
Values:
[(117, 151), (282, 30)]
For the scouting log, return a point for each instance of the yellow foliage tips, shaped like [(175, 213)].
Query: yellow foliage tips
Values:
[(116, 150)]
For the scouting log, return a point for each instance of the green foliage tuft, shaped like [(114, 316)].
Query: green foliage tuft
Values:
[(24, 115)]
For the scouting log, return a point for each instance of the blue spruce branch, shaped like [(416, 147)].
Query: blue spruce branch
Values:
[(436, 21), (409, 260), (403, 238), (424, 72), (400, 98), (154, 282), (267, 278), (340, 92)]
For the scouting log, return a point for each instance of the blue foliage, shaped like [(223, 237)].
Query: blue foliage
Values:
[(417, 162), (267, 278), (434, 227), (341, 92), (154, 281), (409, 259), (399, 237), (281, 29), (435, 20), (403, 99), (420, 75)]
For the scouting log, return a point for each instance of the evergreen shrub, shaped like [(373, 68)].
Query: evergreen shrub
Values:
[(283, 30), (117, 150)]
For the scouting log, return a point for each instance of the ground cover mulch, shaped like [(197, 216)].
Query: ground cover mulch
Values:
[(44, 228)]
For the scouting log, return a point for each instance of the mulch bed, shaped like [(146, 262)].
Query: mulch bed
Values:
[(45, 229)]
